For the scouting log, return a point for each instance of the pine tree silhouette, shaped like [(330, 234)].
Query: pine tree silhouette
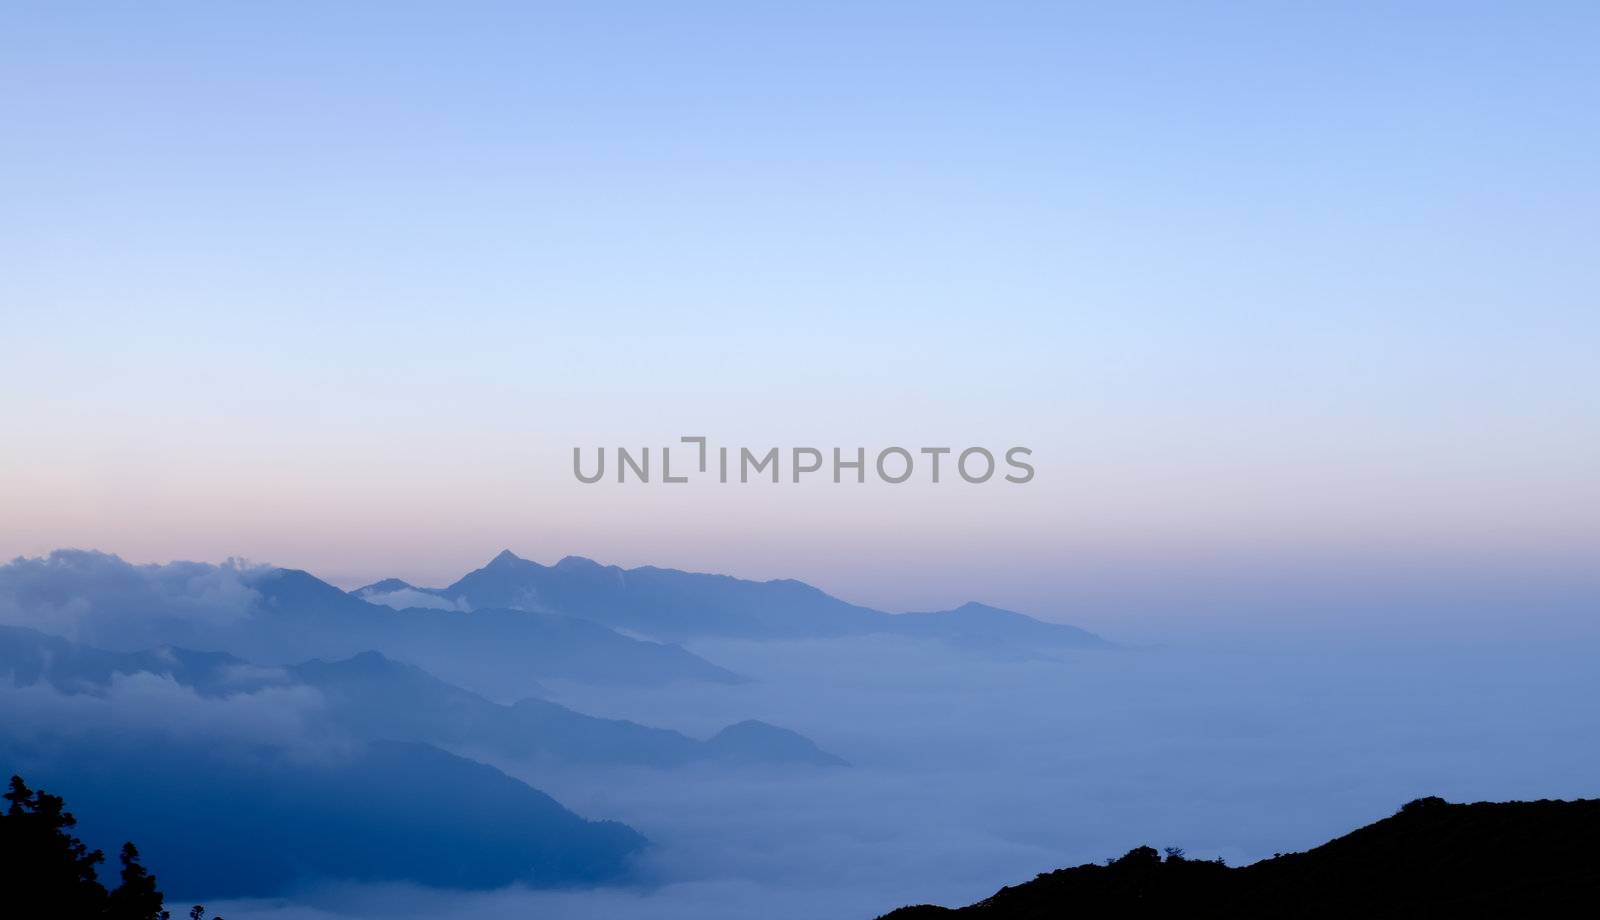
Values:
[(43, 864), (42, 861), (137, 898)]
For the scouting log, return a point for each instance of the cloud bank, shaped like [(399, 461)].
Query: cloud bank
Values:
[(403, 598), (100, 599), (159, 710)]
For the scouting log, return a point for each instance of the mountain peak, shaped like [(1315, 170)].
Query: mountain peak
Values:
[(578, 562), (506, 557), (753, 741), (291, 588), (384, 587)]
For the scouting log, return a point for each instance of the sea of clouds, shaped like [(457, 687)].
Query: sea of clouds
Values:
[(969, 772)]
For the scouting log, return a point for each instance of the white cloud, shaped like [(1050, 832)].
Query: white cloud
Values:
[(158, 704), (411, 597), (99, 598)]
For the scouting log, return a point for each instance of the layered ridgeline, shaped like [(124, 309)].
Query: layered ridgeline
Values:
[(496, 650), (1432, 859), (371, 697), (233, 819), (354, 769), (280, 616), (499, 630), (674, 606)]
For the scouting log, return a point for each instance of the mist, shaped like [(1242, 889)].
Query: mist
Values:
[(970, 771)]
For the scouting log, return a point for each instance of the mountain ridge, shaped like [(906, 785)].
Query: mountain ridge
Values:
[(496, 650), (374, 697), (674, 605), (1431, 858)]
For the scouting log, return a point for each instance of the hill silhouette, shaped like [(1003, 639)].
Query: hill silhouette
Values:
[(372, 697), (281, 616), (673, 606), (376, 697), (495, 651), (376, 811), (1431, 859), (181, 749)]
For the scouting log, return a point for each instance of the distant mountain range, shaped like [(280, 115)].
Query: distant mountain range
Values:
[(502, 652), (234, 779), (364, 776), (374, 698), (377, 697), (1432, 859), (257, 728), (674, 606), (500, 630)]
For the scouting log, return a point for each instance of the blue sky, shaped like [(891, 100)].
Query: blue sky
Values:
[(1267, 287)]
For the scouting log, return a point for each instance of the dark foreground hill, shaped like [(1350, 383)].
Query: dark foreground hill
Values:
[(1432, 859)]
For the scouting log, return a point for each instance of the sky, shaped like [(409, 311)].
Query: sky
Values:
[(1293, 304)]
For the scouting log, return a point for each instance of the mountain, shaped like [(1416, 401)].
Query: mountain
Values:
[(662, 603), (371, 697), (980, 623), (392, 592), (499, 652), (279, 616), (675, 606), (1431, 859), (244, 780), (499, 630), (374, 696), (386, 586), (226, 821), (751, 741), (30, 657)]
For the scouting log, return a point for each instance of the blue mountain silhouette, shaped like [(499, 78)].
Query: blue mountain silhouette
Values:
[(675, 606)]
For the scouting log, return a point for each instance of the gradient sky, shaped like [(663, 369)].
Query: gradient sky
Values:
[(1276, 292)]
